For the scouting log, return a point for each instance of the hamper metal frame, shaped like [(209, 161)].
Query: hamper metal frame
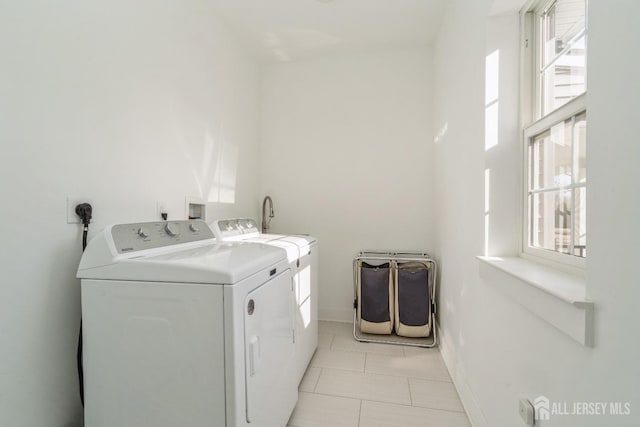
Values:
[(398, 256)]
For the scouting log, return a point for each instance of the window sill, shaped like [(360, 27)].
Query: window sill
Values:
[(557, 297)]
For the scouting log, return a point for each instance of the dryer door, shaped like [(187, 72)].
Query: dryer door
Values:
[(270, 377)]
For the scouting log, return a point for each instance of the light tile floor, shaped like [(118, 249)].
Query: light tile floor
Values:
[(354, 384)]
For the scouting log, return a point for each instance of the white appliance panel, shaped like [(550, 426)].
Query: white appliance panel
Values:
[(302, 255), (153, 354), (268, 322), (306, 316)]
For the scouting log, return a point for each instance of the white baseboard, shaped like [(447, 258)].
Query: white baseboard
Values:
[(335, 314), (456, 370)]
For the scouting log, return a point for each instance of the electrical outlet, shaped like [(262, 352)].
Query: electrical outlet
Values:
[(162, 208), (527, 412), (72, 202)]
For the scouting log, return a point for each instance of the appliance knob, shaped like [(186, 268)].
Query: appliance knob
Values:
[(193, 228), (143, 232), (171, 229)]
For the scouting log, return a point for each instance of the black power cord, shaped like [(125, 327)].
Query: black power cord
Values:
[(84, 211)]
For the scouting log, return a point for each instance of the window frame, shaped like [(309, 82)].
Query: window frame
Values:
[(533, 123)]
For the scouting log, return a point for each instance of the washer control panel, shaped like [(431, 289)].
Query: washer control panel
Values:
[(228, 228), (148, 235)]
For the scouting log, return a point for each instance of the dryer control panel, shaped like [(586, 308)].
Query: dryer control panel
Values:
[(149, 235)]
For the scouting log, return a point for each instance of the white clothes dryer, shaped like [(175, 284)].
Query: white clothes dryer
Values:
[(182, 330), (302, 254)]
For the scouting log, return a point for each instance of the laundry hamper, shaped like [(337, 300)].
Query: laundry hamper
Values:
[(374, 288), (395, 295), (412, 300)]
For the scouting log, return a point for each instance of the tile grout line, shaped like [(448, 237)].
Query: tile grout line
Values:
[(453, 411), (410, 406), (348, 370), (397, 376), (410, 394), (381, 375), (317, 381), (314, 361), (367, 352), (342, 396), (386, 402), (360, 414)]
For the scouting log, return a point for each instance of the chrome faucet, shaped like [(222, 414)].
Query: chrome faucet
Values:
[(265, 220)]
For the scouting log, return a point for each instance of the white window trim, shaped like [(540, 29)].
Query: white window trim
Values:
[(532, 126), (540, 283), (570, 109), (555, 296)]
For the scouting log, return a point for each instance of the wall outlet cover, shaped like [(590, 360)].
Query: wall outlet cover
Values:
[(526, 412), (72, 202), (162, 208)]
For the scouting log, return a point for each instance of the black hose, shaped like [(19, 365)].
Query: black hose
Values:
[(80, 367), (79, 352)]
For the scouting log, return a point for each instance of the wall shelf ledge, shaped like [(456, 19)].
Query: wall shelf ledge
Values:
[(557, 297)]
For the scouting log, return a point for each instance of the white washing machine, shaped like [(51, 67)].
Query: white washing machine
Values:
[(182, 330), (302, 254)]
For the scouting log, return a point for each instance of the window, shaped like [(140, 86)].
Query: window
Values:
[(562, 53), (555, 131)]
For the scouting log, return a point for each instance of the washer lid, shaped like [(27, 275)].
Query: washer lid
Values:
[(303, 241), (292, 250), (199, 261), (264, 238)]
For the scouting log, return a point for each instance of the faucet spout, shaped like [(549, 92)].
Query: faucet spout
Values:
[(266, 220)]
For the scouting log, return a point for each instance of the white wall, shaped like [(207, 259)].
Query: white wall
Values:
[(346, 155), (132, 103), (498, 351), (127, 103)]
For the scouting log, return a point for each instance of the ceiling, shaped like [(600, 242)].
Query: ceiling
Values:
[(288, 30)]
